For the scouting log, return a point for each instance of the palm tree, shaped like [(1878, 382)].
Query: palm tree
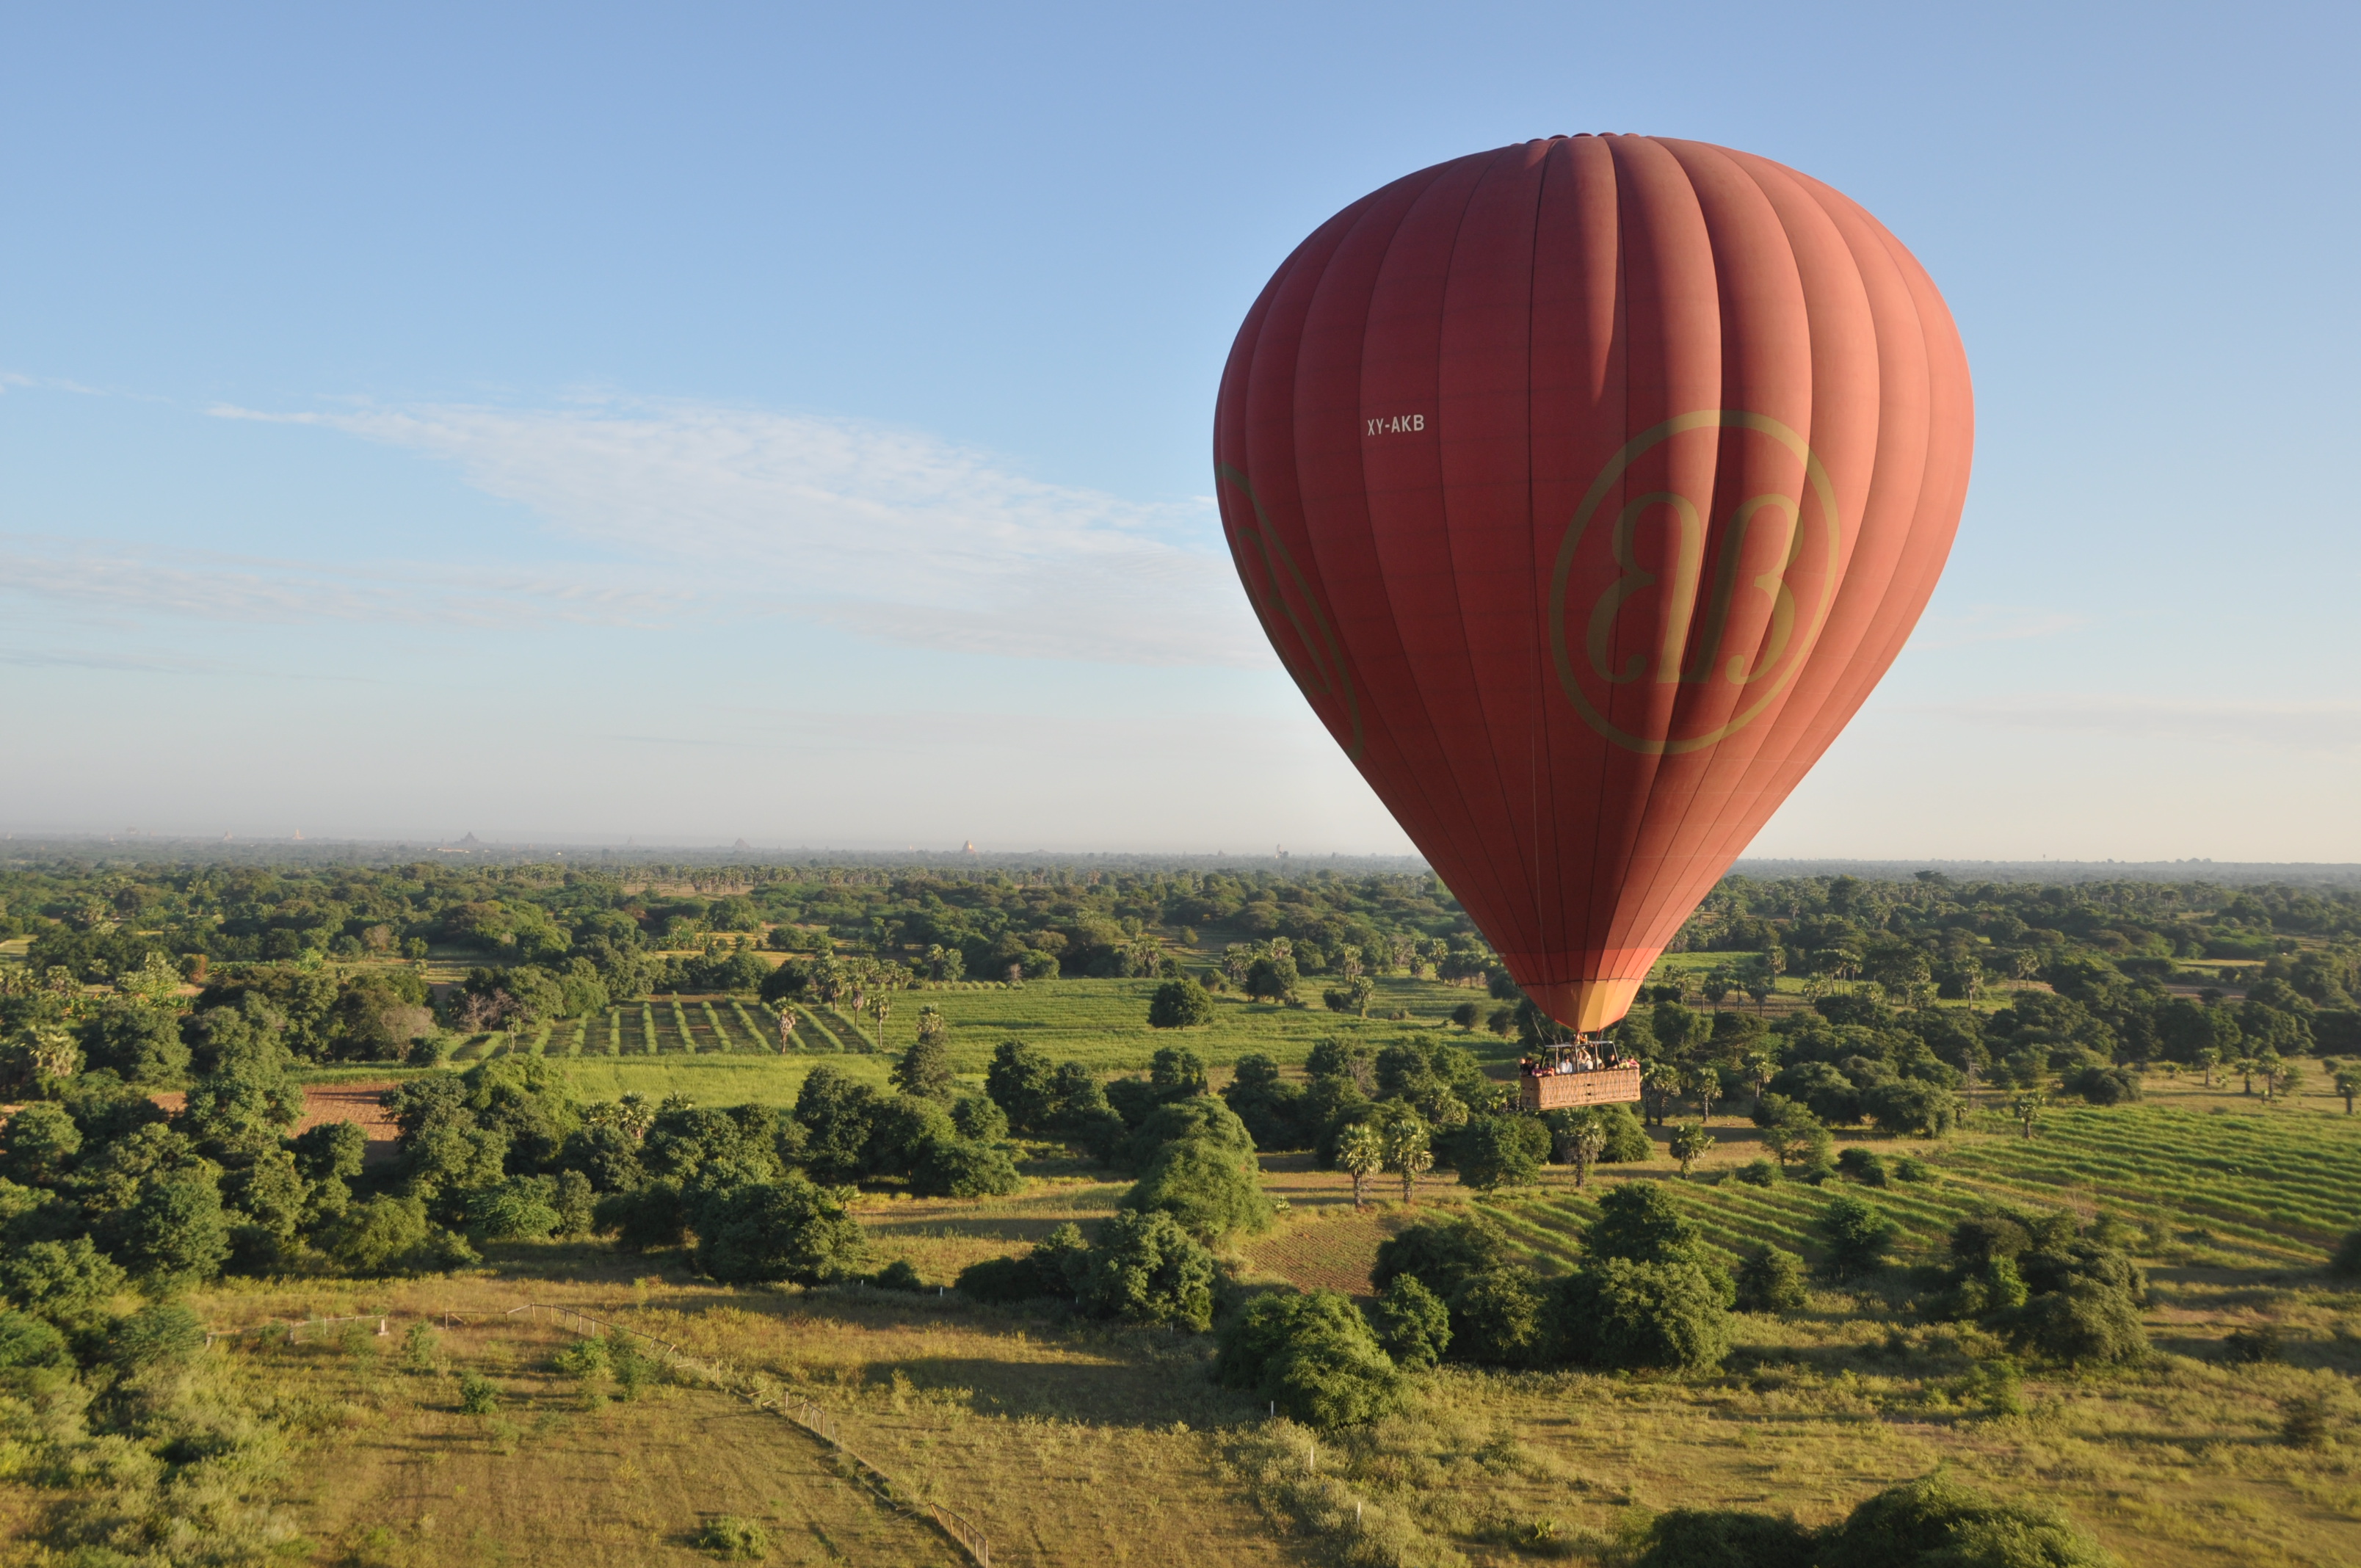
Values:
[(1361, 1151), (1690, 1141), (1407, 1155), (1585, 1140), (1705, 1083), (2026, 1107), (2348, 1085)]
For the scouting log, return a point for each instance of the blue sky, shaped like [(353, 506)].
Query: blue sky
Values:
[(791, 423)]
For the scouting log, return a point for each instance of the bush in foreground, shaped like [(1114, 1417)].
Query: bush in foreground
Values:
[(734, 1540), (1626, 1314), (1771, 1281), (1311, 1355), (1930, 1523), (1209, 1188)]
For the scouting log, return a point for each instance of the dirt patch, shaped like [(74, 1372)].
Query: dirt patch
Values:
[(332, 1102)]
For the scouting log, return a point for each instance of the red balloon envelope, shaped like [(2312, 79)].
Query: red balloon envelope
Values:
[(1587, 486)]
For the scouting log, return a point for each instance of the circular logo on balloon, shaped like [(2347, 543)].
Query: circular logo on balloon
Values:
[(1694, 580)]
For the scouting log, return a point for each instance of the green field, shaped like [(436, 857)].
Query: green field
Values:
[(722, 1051)]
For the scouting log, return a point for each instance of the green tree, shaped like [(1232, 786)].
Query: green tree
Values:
[(69, 1283), (1311, 1355), (1936, 1522), (1500, 1151), (1441, 1253), (379, 1235), (1794, 1136), (2027, 1108), (174, 1234), (1619, 1313), (1690, 1141), (42, 1141), (1360, 1152), (1770, 1281), (962, 1167), (1019, 1081), (1209, 1189), (1857, 1233), (925, 1070), (1145, 1269), (1180, 1005), (1412, 1324), (2348, 1087), (1500, 1318), (789, 1230), (1580, 1139), (1406, 1154)]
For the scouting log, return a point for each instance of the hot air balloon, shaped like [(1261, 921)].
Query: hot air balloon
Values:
[(1587, 486)]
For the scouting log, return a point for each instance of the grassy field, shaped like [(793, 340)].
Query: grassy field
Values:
[(1075, 1443)]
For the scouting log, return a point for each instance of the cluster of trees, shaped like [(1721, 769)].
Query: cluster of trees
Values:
[(2050, 1286), (95, 923), (1646, 1294), (101, 1188)]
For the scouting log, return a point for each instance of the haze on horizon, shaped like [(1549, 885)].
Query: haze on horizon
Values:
[(564, 425)]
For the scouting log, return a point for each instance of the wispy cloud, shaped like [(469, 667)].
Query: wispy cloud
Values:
[(135, 583), (2283, 726), (888, 533)]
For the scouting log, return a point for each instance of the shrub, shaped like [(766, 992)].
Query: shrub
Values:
[(2087, 1322), (734, 1540), (959, 1167), (1441, 1253), (1912, 1105), (1910, 1168), (478, 1395), (420, 1348), (1493, 1152), (1618, 1313), (1180, 1005), (1937, 1523), (520, 1207), (26, 1340), (1412, 1324), (1771, 1280), (1724, 1537), (2254, 1347), (1145, 1269), (787, 1230), (2104, 1085), (379, 1235), (978, 1119), (1312, 1355), (1003, 1280), (159, 1334), (898, 1274), (2345, 1264), (1499, 1318), (69, 1283), (1759, 1173), (1211, 1190), (1857, 1234), (1862, 1165)]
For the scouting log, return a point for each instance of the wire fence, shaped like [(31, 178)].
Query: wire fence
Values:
[(817, 1419)]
